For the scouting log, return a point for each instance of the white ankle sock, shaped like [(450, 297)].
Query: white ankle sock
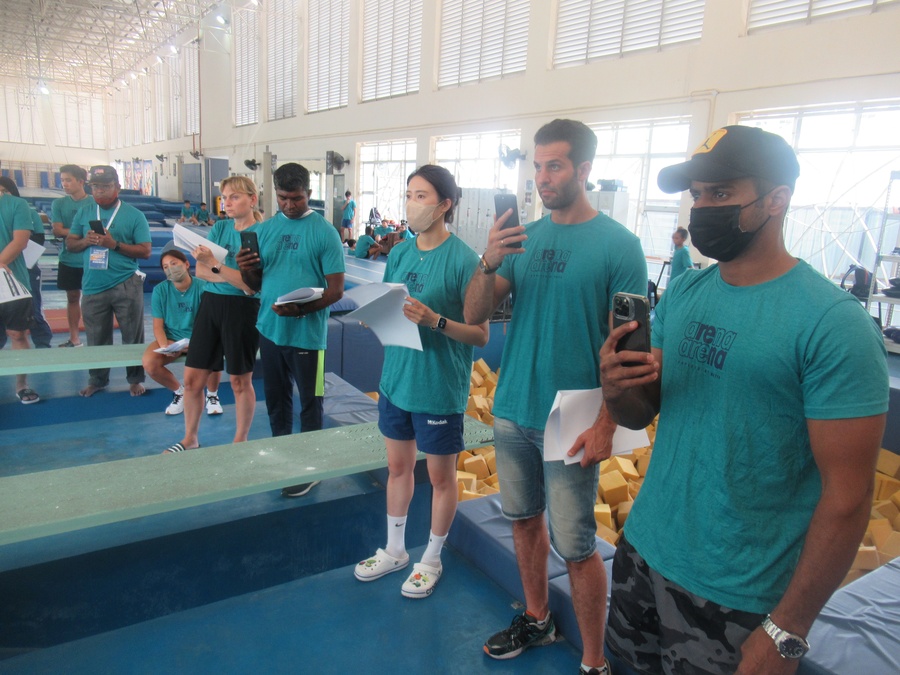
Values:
[(180, 390), (396, 536), (212, 393), (432, 555)]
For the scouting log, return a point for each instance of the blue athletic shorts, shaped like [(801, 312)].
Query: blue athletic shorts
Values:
[(433, 434)]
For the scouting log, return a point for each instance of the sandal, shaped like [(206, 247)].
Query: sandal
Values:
[(422, 581), (177, 447), (378, 565), (27, 396), (69, 343)]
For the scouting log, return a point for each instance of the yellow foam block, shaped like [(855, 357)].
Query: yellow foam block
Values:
[(470, 406), (488, 419), (891, 547), (633, 488), (488, 490), (625, 467), (481, 367), (479, 391), (622, 515), (461, 460), (607, 534), (895, 498), (896, 522), (474, 414), (886, 508), (469, 480), (491, 459), (603, 515), (615, 487), (852, 576), (889, 463), (866, 558), (476, 379), (372, 395), (639, 452), (888, 487), (880, 529), (468, 494), (604, 466), (484, 450), (478, 466), (642, 463), (493, 480)]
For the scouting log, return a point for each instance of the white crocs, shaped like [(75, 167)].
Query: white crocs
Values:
[(378, 565), (422, 581)]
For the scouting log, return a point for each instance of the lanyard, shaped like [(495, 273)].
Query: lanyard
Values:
[(113, 217)]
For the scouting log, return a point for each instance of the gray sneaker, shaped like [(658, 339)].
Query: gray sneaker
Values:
[(523, 633)]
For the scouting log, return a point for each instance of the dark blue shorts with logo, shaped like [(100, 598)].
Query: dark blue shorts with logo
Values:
[(433, 434)]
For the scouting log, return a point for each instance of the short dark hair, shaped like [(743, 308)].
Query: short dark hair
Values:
[(174, 253), (75, 171), (681, 232), (291, 177), (582, 141), (443, 183), (202, 203), (347, 193), (10, 185), (370, 230)]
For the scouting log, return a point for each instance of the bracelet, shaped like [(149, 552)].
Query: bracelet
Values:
[(482, 264)]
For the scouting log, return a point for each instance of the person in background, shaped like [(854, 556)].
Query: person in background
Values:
[(403, 231), (436, 269), (71, 264), (202, 216), (174, 306), (41, 333), (225, 325), (187, 212), (366, 246), (348, 216), (760, 486), (16, 313), (681, 258), (563, 281)]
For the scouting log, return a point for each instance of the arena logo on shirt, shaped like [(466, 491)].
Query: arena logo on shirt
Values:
[(288, 242), (185, 307), (415, 281), (550, 261), (706, 344)]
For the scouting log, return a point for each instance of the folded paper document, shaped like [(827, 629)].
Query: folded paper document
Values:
[(187, 240), (300, 296), (380, 307)]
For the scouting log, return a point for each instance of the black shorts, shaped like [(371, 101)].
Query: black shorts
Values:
[(69, 278), (225, 326), (16, 314)]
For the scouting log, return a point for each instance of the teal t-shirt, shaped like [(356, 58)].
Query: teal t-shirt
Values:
[(363, 244), (681, 262), (562, 287), (382, 231), (732, 485), (15, 214), (187, 211), (177, 309), (203, 215), (224, 234), (435, 380), (63, 211), (349, 210), (129, 226), (296, 254)]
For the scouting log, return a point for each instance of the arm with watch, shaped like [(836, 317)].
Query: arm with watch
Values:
[(845, 452), (422, 315), (211, 270)]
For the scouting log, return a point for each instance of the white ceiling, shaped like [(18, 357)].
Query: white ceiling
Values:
[(88, 42)]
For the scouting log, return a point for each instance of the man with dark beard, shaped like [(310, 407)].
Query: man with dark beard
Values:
[(115, 235)]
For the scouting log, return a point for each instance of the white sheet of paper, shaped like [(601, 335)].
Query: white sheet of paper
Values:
[(10, 288), (174, 347), (572, 413), (380, 307), (187, 240), (300, 296), (32, 253)]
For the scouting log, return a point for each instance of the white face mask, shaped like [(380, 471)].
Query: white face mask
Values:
[(176, 274), (419, 217)]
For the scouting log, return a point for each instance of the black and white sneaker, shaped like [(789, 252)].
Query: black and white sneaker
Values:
[(213, 405), (176, 407), (523, 633), (298, 490)]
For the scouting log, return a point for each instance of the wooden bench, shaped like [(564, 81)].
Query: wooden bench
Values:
[(32, 361), (64, 500)]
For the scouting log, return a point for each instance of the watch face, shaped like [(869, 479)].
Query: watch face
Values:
[(792, 648), (442, 323)]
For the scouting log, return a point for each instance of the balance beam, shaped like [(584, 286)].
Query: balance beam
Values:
[(33, 361), (45, 503)]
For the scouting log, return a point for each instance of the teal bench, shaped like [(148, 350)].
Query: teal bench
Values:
[(32, 361), (64, 500)]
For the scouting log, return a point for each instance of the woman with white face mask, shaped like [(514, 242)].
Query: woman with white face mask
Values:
[(423, 394), (174, 305)]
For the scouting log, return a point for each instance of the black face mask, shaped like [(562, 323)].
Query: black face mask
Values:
[(716, 231)]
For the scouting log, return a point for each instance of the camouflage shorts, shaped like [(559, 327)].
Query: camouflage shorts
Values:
[(659, 627)]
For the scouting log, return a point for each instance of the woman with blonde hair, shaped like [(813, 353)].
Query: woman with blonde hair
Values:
[(225, 327)]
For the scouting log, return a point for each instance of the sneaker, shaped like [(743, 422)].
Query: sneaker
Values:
[(378, 565), (176, 407), (298, 490), (69, 343), (603, 670), (522, 633), (213, 407), (422, 581)]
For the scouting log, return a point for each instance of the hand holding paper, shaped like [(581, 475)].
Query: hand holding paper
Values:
[(381, 309), (300, 296), (187, 240)]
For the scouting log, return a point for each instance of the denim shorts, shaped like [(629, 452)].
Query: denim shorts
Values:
[(529, 485), (433, 434)]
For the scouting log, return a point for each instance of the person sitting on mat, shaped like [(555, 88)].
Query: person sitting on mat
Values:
[(173, 306)]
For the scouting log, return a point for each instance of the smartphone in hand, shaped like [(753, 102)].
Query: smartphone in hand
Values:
[(97, 226), (629, 307), (502, 204), (249, 240)]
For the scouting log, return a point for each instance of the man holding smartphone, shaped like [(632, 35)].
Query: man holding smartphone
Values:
[(115, 235), (298, 248), (770, 420), (563, 279)]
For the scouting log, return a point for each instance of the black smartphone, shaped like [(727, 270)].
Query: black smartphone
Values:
[(97, 226), (629, 307), (503, 203), (250, 240)]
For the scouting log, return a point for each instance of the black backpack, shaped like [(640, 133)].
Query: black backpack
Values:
[(862, 279)]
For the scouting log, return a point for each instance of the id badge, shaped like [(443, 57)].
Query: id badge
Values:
[(99, 258)]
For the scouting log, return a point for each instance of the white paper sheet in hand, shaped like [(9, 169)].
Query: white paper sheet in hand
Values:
[(188, 241), (381, 309), (10, 288), (572, 413), (174, 347), (32, 253), (300, 296)]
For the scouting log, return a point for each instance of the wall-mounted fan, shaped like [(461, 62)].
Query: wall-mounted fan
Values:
[(510, 157), (196, 154), (161, 158), (251, 164)]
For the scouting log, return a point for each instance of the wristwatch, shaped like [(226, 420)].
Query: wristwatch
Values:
[(116, 247), (790, 646), (482, 264), (214, 269), (441, 324)]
